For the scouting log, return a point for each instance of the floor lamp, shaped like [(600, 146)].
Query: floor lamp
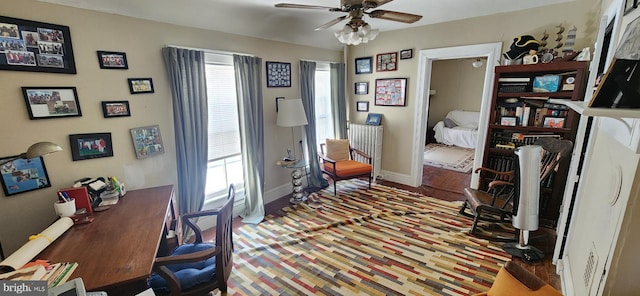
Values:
[(291, 114), (528, 189), (35, 150)]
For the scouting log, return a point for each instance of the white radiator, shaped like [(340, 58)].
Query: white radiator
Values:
[(368, 139)]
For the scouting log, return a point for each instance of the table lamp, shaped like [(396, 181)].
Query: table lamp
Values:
[(291, 114)]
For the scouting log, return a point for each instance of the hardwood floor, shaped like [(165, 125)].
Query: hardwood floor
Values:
[(448, 185)]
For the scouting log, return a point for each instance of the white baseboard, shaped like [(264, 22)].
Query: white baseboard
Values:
[(398, 178)]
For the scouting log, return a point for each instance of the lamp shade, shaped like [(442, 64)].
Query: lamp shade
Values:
[(41, 148), (291, 113)]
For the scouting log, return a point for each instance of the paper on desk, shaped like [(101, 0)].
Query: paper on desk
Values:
[(35, 245)]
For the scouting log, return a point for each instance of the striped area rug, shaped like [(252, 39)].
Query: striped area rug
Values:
[(378, 241)]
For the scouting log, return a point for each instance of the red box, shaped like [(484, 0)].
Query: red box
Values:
[(81, 195)]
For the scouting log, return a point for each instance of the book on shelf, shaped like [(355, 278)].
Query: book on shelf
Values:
[(514, 79)]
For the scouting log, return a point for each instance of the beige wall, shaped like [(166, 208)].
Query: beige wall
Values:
[(458, 86), (28, 213), (399, 121)]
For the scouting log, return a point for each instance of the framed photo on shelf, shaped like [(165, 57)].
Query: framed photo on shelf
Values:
[(115, 109), (89, 146), (553, 122), (51, 102), (140, 85), (406, 54), (23, 175), (112, 60), (361, 88), (391, 92), (364, 65), (387, 62), (362, 106), (147, 141), (374, 119), (278, 74), (509, 120), (36, 47)]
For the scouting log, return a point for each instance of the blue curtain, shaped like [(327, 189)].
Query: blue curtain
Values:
[(248, 72), (189, 89), (307, 91), (338, 100)]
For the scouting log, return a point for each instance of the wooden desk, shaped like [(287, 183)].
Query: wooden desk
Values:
[(117, 250)]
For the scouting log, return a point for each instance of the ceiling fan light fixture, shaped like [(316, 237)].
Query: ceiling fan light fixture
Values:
[(354, 36)]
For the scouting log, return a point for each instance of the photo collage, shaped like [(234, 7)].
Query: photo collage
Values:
[(31, 46)]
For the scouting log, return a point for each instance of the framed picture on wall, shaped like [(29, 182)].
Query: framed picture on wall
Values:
[(364, 65), (391, 92), (361, 88), (147, 141), (387, 62), (23, 175), (278, 74), (115, 109), (140, 85), (51, 102), (89, 146), (35, 46), (112, 60), (362, 106)]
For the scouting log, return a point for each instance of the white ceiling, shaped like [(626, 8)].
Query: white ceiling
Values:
[(259, 18)]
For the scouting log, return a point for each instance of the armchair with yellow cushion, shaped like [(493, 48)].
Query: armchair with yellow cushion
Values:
[(512, 280), (339, 164)]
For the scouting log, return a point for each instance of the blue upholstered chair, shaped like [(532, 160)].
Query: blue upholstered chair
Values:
[(198, 268)]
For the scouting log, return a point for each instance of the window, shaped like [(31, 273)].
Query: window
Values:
[(324, 114), (225, 159)]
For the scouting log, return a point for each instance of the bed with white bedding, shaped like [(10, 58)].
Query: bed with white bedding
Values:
[(459, 128)]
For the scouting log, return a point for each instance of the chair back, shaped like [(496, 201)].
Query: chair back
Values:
[(554, 151), (224, 237)]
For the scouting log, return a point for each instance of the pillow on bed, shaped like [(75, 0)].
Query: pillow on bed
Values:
[(448, 122)]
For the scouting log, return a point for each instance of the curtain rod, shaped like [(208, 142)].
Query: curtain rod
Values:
[(316, 61), (212, 51)]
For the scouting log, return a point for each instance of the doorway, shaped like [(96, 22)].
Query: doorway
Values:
[(490, 51)]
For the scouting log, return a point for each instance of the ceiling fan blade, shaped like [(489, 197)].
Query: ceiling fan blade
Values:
[(395, 16), (331, 23), (291, 5)]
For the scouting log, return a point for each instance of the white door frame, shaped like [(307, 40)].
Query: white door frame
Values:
[(492, 52)]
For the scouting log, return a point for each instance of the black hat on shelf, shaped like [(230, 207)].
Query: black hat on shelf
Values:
[(521, 46)]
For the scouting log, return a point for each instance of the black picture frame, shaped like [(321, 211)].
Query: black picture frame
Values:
[(23, 175), (374, 119), (112, 60), (41, 47), (115, 109), (147, 141), (51, 102), (278, 74), (362, 106), (361, 88), (364, 65), (140, 85), (406, 54), (90, 146), (391, 92)]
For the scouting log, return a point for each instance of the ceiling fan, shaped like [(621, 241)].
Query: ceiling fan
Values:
[(356, 10)]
